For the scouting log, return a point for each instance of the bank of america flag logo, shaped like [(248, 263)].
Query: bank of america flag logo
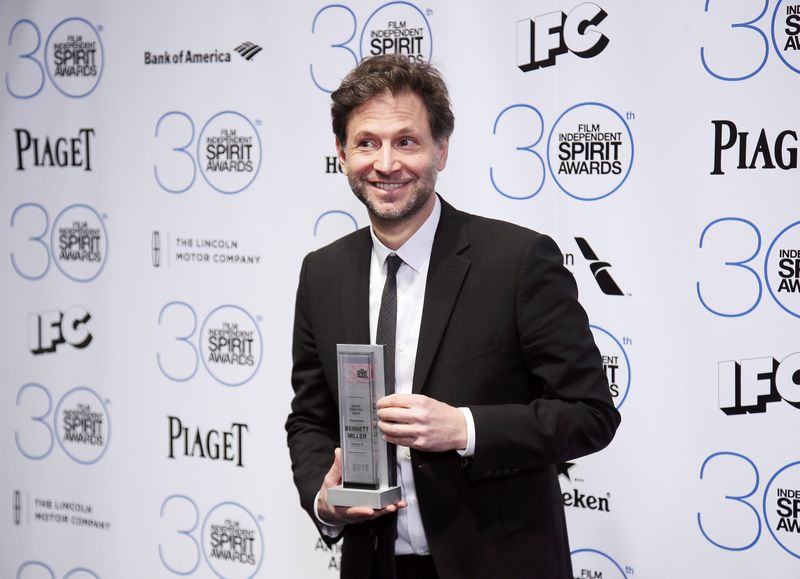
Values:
[(248, 50)]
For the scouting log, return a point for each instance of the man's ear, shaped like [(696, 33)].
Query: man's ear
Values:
[(444, 146), (340, 152)]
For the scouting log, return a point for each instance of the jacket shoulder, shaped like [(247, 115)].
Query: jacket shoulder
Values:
[(344, 247)]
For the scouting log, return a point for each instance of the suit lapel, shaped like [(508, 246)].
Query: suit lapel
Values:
[(445, 276), (355, 289)]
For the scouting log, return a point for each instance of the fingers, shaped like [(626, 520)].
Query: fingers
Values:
[(359, 514), (334, 476), (337, 515), (399, 401), (421, 422)]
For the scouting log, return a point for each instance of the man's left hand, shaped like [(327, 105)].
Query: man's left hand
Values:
[(420, 422)]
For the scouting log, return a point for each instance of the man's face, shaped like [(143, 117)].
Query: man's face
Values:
[(390, 158)]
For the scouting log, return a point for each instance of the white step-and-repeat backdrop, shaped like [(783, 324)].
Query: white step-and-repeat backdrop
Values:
[(166, 165)]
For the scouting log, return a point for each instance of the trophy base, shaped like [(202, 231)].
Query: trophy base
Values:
[(376, 498)]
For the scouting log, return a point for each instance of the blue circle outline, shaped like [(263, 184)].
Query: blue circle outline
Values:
[(334, 212), (550, 137), (597, 552), (378, 9), (775, 41), (260, 339), (102, 56), (57, 432), (81, 569), (105, 235), (260, 153), (255, 522), (766, 271), (627, 361), (34, 562), (764, 508)]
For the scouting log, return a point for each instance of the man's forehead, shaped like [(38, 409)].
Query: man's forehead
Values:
[(401, 112)]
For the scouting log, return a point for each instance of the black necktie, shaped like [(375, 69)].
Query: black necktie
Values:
[(387, 320), (386, 335)]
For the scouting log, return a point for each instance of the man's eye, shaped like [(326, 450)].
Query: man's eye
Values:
[(406, 142)]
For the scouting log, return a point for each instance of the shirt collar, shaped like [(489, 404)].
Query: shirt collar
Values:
[(417, 250)]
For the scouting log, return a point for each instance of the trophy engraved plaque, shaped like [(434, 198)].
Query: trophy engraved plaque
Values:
[(366, 477)]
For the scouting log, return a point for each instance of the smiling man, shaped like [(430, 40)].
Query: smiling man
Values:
[(497, 376)]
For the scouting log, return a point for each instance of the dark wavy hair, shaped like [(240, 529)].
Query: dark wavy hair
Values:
[(395, 74)]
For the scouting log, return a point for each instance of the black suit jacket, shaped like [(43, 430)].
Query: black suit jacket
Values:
[(503, 334)]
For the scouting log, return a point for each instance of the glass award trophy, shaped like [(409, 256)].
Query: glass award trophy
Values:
[(368, 461)]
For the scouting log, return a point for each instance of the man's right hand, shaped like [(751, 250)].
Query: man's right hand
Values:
[(344, 515)]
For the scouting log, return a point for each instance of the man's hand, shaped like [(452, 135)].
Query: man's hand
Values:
[(416, 421), (342, 515)]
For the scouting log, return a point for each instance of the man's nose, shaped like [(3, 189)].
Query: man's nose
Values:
[(387, 161)]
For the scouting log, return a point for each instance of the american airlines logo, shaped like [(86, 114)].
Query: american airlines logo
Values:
[(248, 50), (599, 269)]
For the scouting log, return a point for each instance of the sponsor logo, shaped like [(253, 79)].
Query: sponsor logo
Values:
[(80, 242), (231, 345), (397, 28), (248, 50), (332, 165), (17, 508), (232, 541), (615, 363), (211, 444), (331, 556), (209, 251), (63, 513), (188, 56), (79, 422), (53, 152), (82, 425), (599, 269), (767, 150), (229, 539), (574, 496), (595, 564), (782, 269), (789, 270), (155, 248), (76, 241), (782, 508), (749, 385), (74, 57), (788, 509), (228, 343), (590, 151), (47, 330), (71, 58), (542, 39), (786, 34), (229, 152)]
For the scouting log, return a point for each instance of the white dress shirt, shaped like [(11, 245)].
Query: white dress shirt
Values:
[(411, 280)]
